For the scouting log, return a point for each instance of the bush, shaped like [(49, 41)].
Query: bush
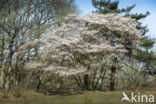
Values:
[(17, 92), (5, 95)]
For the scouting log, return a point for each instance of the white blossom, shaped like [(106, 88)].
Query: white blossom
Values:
[(69, 48)]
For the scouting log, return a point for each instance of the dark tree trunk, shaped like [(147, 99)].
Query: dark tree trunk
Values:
[(39, 84), (86, 82), (39, 73), (112, 78)]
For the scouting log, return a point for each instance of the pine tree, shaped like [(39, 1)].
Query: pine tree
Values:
[(108, 6), (143, 53)]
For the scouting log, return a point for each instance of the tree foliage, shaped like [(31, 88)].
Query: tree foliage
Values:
[(140, 53), (22, 21), (82, 47)]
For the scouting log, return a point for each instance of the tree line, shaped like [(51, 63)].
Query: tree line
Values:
[(25, 59)]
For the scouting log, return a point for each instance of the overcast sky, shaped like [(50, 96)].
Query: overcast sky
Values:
[(141, 7)]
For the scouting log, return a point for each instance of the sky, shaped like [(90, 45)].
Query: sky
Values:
[(141, 7)]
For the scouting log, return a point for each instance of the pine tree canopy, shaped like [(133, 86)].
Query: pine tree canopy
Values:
[(144, 53)]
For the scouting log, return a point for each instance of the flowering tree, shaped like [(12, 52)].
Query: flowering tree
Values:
[(83, 45)]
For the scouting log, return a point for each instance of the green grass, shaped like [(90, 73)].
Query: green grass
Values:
[(31, 97)]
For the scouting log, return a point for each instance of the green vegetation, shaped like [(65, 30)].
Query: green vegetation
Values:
[(30, 97), (48, 56)]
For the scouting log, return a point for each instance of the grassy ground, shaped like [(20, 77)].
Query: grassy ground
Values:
[(31, 97)]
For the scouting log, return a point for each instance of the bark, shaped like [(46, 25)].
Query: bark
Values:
[(112, 77), (102, 78), (78, 81), (39, 83), (2, 66), (86, 81), (39, 74), (93, 82), (2, 76)]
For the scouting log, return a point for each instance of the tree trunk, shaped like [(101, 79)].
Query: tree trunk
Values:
[(112, 78), (39, 83), (2, 76), (86, 81)]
